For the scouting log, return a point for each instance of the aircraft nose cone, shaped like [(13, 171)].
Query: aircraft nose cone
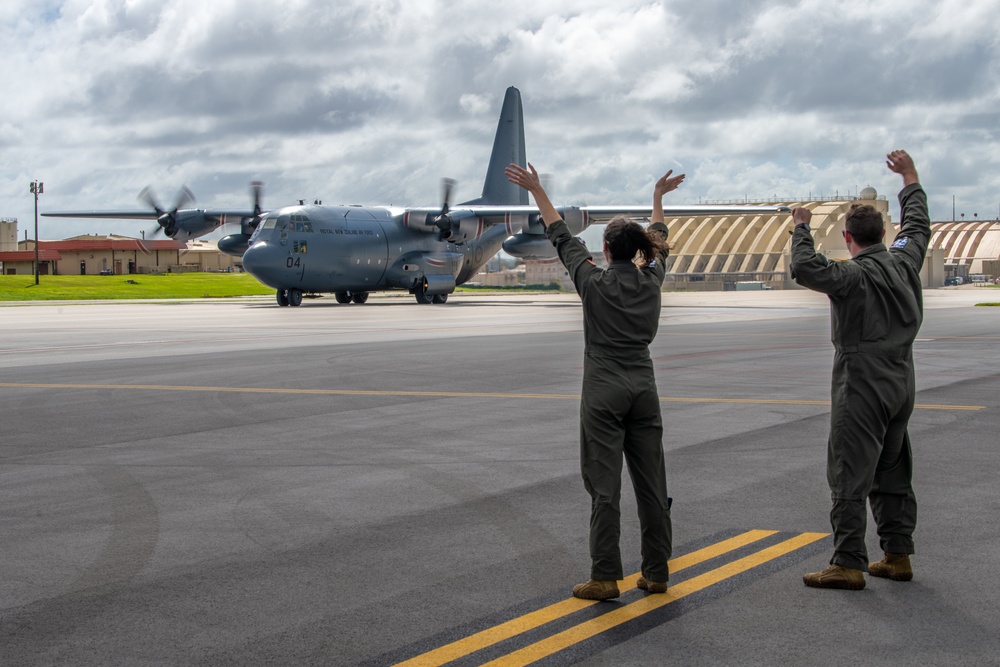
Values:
[(265, 262)]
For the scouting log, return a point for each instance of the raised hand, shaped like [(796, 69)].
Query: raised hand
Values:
[(901, 163), (667, 183)]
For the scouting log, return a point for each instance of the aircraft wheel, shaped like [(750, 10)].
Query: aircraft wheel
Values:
[(343, 297), (440, 298), (360, 297), (294, 297), (422, 296), (282, 297)]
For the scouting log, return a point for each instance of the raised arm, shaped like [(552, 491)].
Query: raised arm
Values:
[(529, 180), (915, 221), (572, 253)]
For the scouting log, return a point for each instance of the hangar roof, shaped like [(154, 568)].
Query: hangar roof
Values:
[(44, 255), (92, 243)]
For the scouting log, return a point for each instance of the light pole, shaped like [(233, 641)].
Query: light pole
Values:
[(36, 189)]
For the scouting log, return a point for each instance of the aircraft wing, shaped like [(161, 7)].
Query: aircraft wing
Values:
[(467, 221), (597, 213), (527, 242), (112, 215), (146, 215)]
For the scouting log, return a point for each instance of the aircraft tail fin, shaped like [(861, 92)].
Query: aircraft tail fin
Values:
[(508, 147)]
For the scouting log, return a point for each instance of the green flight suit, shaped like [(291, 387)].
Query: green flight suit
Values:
[(620, 407), (876, 308)]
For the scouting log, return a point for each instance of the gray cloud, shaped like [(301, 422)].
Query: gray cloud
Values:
[(375, 101)]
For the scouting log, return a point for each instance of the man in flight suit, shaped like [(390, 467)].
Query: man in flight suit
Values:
[(619, 406), (876, 308)]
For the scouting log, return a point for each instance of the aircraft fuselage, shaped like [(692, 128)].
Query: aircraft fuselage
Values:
[(359, 249)]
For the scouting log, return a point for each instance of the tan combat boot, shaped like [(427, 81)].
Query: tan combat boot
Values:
[(596, 590), (892, 566), (651, 586), (836, 576)]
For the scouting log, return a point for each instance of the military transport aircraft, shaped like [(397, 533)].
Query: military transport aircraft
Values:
[(353, 250), (179, 223)]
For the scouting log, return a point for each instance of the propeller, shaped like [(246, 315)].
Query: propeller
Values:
[(443, 221), (166, 219), (248, 225), (237, 244)]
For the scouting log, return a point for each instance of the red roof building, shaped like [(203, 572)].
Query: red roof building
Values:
[(93, 255)]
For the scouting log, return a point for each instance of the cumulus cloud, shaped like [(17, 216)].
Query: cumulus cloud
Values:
[(375, 101)]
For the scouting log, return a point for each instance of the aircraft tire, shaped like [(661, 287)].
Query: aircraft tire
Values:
[(282, 298), (423, 297), (440, 298), (343, 297), (359, 297), (295, 297)]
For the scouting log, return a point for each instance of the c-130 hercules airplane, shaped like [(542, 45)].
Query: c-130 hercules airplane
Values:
[(354, 250)]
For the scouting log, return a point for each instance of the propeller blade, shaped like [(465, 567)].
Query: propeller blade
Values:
[(447, 185), (146, 195), (442, 220), (184, 197), (256, 188), (249, 224)]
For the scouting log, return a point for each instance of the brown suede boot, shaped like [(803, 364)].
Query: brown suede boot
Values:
[(892, 566), (836, 576), (596, 590), (651, 586)]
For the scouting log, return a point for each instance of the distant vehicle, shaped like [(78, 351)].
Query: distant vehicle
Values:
[(106, 272), (953, 280)]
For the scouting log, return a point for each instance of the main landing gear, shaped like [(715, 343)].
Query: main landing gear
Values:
[(424, 298), (347, 297)]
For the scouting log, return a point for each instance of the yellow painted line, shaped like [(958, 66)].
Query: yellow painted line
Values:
[(781, 401), (530, 621), (274, 390), (588, 629), (434, 394)]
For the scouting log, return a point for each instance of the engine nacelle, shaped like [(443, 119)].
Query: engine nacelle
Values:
[(463, 229), (234, 244), (190, 224), (576, 220), (529, 246), (422, 220)]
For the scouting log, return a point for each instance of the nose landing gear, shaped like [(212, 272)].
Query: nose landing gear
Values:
[(289, 297)]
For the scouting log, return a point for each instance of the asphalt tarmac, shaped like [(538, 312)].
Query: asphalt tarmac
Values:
[(234, 483)]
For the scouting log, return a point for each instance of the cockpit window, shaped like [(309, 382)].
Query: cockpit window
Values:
[(267, 223)]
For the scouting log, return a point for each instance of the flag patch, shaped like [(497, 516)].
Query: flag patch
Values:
[(900, 242)]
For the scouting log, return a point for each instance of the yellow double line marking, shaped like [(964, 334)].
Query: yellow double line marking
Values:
[(617, 616), (431, 394)]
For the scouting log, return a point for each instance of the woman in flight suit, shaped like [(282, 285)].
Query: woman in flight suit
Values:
[(620, 407)]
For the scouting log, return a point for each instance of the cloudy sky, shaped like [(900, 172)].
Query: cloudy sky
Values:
[(374, 101)]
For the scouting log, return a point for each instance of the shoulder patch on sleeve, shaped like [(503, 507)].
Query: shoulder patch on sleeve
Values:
[(652, 264), (900, 242)]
